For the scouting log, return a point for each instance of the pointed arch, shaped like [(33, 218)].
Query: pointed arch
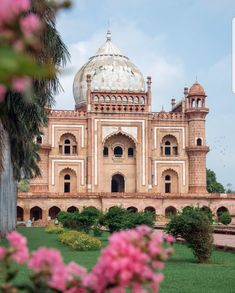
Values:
[(20, 213), (53, 212), (169, 211), (119, 132), (35, 213), (72, 209), (170, 181)]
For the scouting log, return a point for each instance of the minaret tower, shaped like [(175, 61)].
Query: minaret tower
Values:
[(197, 149)]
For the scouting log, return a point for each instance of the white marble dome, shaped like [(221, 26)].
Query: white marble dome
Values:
[(110, 70)]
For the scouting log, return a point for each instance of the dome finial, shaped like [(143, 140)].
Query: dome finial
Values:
[(108, 35)]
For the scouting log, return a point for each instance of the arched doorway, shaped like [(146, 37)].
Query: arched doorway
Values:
[(118, 183), (20, 214), (72, 209), (170, 211), (170, 181), (68, 181), (150, 209), (36, 213), (132, 209), (119, 151), (221, 210), (53, 212)]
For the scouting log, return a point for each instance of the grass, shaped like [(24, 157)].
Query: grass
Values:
[(182, 273)]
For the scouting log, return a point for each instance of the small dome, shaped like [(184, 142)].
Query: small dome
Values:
[(196, 90), (110, 70)]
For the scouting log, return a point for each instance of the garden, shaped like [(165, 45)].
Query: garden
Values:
[(191, 267), (182, 273)]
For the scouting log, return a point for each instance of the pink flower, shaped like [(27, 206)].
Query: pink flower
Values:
[(30, 24), (19, 244), (50, 261), (2, 253), (20, 84), (3, 91), (132, 259), (45, 257), (75, 270), (9, 9), (19, 6), (6, 13), (59, 277), (169, 238)]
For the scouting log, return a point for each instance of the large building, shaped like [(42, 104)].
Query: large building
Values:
[(113, 150)]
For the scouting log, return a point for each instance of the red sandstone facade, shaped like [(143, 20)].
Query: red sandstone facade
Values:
[(113, 150)]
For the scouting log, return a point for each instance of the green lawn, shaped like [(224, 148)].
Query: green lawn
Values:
[(182, 273)]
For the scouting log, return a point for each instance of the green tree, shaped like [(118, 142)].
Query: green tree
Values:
[(21, 119), (213, 186), (193, 225)]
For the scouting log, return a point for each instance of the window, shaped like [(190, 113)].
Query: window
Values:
[(74, 149), (39, 139), (168, 178), (124, 100), (105, 152), (199, 103), (118, 151), (130, 152), (167, 184), (67, 183), (199, 141), (68, 144), (67, 187), (167, 148), (67, 149), (175, 150)]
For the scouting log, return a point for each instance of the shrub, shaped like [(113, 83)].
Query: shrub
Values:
[(118, 218), (54, 230), (83, 221), (208, 212), (97, 231), (225, 218), (68, 220), (79, 241), (91, 212), (194, 226)]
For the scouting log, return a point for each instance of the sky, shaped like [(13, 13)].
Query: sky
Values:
[(175, 42)]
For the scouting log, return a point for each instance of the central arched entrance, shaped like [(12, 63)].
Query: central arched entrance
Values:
[(118, 183)]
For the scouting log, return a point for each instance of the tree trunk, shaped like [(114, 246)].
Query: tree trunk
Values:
[(8, 188)]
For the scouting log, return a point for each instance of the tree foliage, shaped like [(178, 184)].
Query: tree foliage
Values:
[(118, 218), (24, 118), (225, 218), (213, 186), (193, 225)]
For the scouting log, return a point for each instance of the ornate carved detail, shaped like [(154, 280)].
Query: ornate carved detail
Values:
[(66, 113)]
